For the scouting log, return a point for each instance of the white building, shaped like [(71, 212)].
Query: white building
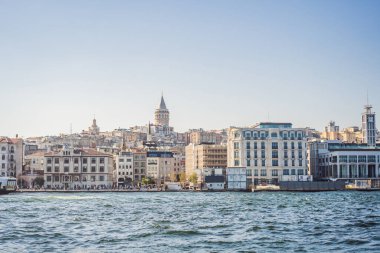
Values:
[(347, 161), (124, 168), (11, 156), (236, 178), (268, 151), (369, 126), (77, 169)]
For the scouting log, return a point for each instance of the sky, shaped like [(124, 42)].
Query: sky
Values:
[(218, 63)]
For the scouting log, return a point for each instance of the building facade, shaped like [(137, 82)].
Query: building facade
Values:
[(11, 157), (344, 161), (78, 169), (139, 165), (205, 156), (269, 151), (369, 126), (159, 165), (124, 168)]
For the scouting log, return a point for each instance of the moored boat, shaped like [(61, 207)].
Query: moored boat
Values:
[(7, 185)]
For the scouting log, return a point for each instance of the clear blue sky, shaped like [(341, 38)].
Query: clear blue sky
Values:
[(219, 63)]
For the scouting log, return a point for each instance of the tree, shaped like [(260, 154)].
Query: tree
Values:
[(182, 177), (39, 181), (193, 178)]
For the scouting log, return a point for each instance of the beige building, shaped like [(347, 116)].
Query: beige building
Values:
[(348, 135), (205, 156), (199, 136), (78, 169), (160, 165)]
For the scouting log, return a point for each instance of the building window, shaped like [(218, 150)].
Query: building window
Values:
[(256, 172), (93, 160), (262, 145), (236, 162), (66, 160), (274, 162), (274, 145), (66, 169), (84, 160), (274, 154), (256, 163), (92, 178), (76, 160), (248, 154), (48, 161), (292, 145), (362, 159), (3, 149), (48, 178), (353, 159), (263, 172), (101, 168), (248, 163), (101, 178), (300, 162), (236, 154), (236, 145), (299, 153), (293, 163), (293, 171), (93, 169), (262, 153), (285, 172), (300, 171), (48, 169), (101, 160), (76, 169), (84, 169), (285, 145), (248, 145), (255, 145), (262, 162), (274, 173), (285, 162), (56, 169)]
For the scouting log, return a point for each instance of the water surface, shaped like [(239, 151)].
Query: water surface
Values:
[(190, 222)]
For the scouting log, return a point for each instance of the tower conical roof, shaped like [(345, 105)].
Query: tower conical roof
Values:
[(162, 104)]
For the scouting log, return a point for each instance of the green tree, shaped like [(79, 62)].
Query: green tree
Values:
[(193, 178), (182, 177), (39, 181)]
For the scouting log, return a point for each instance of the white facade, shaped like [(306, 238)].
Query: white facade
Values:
[(159, 165), (268, 151), (11, 157), (124, 167), (369, 126), (336, 160), (236, 178)]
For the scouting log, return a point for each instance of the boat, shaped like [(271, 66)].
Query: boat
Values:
[(7, 185), (173, 186)]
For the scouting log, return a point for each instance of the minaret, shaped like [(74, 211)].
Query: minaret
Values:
[(369, 126), (161, 115)]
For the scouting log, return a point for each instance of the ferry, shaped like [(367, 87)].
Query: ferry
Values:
[(7, 185)]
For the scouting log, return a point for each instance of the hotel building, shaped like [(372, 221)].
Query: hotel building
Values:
[(77, 168), (270, 151)]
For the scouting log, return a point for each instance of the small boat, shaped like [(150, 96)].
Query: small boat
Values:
[(7, 185)]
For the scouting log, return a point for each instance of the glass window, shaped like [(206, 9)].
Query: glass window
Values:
[(274, 145), (285, 172), (263, 162), (274, 154), (285, 145), (274, 162), (263, 172), (256, 172), (274, 173)]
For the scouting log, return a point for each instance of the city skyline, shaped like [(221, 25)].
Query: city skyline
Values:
[(218, 64)]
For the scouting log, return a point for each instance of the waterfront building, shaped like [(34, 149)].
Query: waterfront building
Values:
[(33, 168), (159, 165), (369, 126), (344, 161), (205, 156), (72, 168), (11, 156), (124, 168), (268, 150), (178, 166), (236, 178), (139, 165)]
